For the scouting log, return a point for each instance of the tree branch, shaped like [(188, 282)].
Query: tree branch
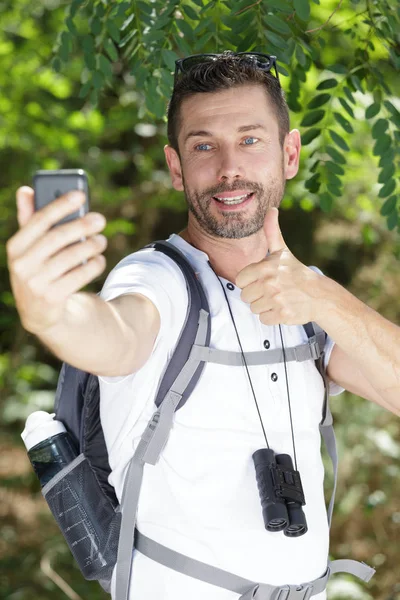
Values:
[(326, 22), (247, 7)]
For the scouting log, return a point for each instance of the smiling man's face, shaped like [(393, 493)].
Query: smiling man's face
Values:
[(233, 167)]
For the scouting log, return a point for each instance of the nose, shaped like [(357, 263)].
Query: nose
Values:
[(230, 166)]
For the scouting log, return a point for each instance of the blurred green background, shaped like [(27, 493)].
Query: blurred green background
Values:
[(44, 124)]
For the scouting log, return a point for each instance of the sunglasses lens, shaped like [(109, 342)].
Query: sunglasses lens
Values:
[(260, 61), (192, 61)]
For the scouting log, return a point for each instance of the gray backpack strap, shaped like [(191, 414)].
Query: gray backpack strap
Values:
[(181, 375), (326, 425), (249, 590), (309, 351)]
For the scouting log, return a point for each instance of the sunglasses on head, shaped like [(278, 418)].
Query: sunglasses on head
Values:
[(265, 62)]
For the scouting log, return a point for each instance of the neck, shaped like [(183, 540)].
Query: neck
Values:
[(227, 256)]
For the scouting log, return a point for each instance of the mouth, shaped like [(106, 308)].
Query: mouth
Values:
[(233, 202)]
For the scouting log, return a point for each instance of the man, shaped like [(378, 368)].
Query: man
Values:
[(231, 151)]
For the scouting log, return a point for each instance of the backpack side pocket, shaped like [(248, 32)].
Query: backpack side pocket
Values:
[(86, 517)]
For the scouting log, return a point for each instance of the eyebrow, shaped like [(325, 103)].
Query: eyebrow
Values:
[(242, 129)]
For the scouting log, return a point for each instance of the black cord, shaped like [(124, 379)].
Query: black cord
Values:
[(248, 374), (288, 395), (244, 359)]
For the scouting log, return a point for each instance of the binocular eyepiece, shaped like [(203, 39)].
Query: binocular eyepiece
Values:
[(281, 493)]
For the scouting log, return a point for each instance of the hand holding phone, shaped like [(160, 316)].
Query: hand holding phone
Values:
[(44, 260)]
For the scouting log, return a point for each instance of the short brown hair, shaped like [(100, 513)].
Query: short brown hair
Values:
[(223, 73)]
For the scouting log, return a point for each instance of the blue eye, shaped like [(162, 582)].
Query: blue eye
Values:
[(201, 147), (247, 143)]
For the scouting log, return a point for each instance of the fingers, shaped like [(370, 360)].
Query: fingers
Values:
[(58, 241), (34, 225), (72, 257), (60, 290), (25, 205), (272, 231)]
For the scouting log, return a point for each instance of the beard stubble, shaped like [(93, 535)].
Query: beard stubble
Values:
[(235, 224)]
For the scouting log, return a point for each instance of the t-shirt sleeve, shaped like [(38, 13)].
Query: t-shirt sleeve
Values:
[(334, 388), (157, 277)]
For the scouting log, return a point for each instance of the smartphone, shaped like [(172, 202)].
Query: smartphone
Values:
[(50, 185)]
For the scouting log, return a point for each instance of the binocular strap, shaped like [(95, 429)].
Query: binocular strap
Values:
[(249, 590)]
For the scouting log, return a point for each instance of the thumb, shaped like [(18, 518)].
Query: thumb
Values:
[(272, 231), (25, 205)]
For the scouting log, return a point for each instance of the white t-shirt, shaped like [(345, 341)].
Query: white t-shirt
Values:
[(201, 498)]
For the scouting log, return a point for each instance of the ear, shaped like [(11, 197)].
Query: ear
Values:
[(174, 166), (291, 153)]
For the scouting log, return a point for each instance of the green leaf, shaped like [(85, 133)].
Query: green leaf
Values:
[(387, 158), (300, 56), (309, 136), (105, 66), (391, 108), (326, 202), (125, 40), (343, 122), (190, 12), (71, 26), (335, 155), (379, 128), (319, 100), (349, 95), (327, 84), (338, 140), (85, 89), (334, 190), (98, 80), (392, 220), (75, 6), (87, 43), (347, 107), (302, 9), (382, 144), (277, 24), (113, 31), (186, 29), (387, 189), (372, 110), (56, 64), (110, 48), (386, 173), (312, 118), (169, 59), (280, 5), (96, 26), (277, 40), (334, 167), (389, 206), (313, 184), (339, 68)]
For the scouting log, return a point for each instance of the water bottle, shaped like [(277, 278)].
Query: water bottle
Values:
[(50, 447)]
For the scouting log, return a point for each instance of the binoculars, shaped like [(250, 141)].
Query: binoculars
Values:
[(281, 493)]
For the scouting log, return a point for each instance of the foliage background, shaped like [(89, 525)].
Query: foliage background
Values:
[(84, 84)]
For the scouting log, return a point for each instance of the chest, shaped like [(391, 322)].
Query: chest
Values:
[(232, 401)]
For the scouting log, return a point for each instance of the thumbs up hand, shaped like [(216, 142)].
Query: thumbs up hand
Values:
[(279, 288)]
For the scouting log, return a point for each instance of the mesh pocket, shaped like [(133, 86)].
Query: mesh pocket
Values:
[(86, 517)]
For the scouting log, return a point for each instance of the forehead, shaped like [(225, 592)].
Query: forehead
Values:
[(226, 110)]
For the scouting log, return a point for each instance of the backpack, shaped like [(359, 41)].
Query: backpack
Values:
[(100, 532)]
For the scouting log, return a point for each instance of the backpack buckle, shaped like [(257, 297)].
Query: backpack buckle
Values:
[(293, 592)]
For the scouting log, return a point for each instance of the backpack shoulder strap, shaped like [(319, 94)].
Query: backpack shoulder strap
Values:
[(326, 424), (196, 328)]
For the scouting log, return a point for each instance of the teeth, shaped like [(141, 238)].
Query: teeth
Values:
[(234, 200)]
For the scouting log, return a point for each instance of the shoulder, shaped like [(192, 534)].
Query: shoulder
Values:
[(145, 269)]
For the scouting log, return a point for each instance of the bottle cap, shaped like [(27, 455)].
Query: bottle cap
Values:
[(39, 426)]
